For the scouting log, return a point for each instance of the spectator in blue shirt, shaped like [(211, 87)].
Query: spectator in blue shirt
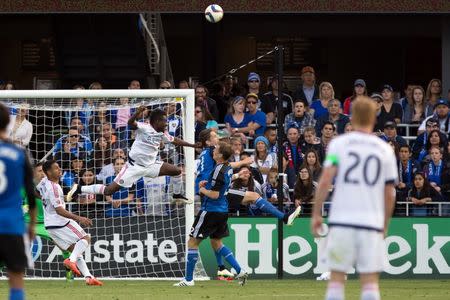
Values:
[(72, 144), (334, 116), (237, 118), (319, 107), (390, 134), (257, 123)]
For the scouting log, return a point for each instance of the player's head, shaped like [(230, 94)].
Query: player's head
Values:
[(4, 118), (363, 113), (208, 138), (38, 172), (52, 169), (158, 120), (222, 152)]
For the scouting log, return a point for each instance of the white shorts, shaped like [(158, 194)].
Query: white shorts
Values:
[(68, 235), (364, 249), (130, 174)]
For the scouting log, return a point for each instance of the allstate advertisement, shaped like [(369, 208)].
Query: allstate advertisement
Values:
[(417, 247)]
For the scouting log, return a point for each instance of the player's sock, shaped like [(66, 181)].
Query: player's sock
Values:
[(370, 291), (16, 294), (229, 257), (192, 258), (79, 248), (267, 207), (219, 260), (66, 254), (177, 184), (93, 189), (81, 264), (335, 291)]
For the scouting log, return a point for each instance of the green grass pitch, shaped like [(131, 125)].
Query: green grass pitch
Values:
[(255, 289)]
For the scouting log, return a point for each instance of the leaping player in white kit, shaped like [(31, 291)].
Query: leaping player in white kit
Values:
[(142, 159), (60, 223), (365, 172)]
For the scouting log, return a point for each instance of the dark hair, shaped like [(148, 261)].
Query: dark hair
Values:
[(269, 129), (204, 136), (302, 191), (405, 146), (426, 185), (441, 141), (225, 150), (48, 165), (156, 115), (238, 183), (202, 87), (4, 117), (38, 164), (328, 123)]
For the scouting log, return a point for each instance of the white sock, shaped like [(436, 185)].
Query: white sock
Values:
[(370, 291), (79, 248), (93, 189), (335, 291), (177, 184), (81, 263)]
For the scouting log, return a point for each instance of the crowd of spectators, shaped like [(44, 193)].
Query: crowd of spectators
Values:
[(417, 126)]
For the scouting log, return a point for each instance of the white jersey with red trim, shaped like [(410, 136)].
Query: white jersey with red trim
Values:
[(365, 164), (52, 197), (147, 143)]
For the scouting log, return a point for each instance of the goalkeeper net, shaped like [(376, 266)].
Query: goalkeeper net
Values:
[(138, 232)]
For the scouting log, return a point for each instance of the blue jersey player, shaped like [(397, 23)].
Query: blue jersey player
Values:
[(212, 219), (15, 173)]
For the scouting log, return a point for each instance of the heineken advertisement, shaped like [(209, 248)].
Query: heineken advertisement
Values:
[(417, 248)]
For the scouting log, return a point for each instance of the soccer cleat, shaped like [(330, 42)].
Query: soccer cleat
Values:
[(72, 266), (324, 276), (73, 193), (184, 282), (93, 281), (242, 277), (178, 198), (225, 275), (293, 215)]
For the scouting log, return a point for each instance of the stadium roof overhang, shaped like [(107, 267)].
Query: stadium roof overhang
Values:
[(230, 6)]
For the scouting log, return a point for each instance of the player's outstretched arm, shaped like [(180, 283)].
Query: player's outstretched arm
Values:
[(67, 214), (322, 192), (137, 115), (180, 142)]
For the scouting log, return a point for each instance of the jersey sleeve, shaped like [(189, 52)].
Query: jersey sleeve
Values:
[(218, 178), (390, 168), (332, 158), (167, 138), (53, 194)]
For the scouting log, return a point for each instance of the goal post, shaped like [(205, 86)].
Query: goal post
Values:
[(51, 113)]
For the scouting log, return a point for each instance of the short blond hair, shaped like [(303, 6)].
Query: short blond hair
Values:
[(363, 112)]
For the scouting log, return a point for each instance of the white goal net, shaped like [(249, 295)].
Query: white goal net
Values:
[(138, 232)]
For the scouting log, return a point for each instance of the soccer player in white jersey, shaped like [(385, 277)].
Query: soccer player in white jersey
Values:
[(60, 223), (142, 158), (365, 172)]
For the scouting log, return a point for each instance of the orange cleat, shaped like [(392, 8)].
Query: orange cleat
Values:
[(72, 266), (93, 281)]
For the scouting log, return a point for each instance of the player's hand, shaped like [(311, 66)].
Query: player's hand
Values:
[(202, 183), (316, 225), (198, 145), (31, 232), (85, 221), (140, 110)]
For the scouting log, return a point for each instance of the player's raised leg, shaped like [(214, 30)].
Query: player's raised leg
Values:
[(265, 206)]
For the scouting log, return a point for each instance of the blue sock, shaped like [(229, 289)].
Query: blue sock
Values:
[(229, 257), (192, 258), (267, 207), (219, 259), (16, 294)]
